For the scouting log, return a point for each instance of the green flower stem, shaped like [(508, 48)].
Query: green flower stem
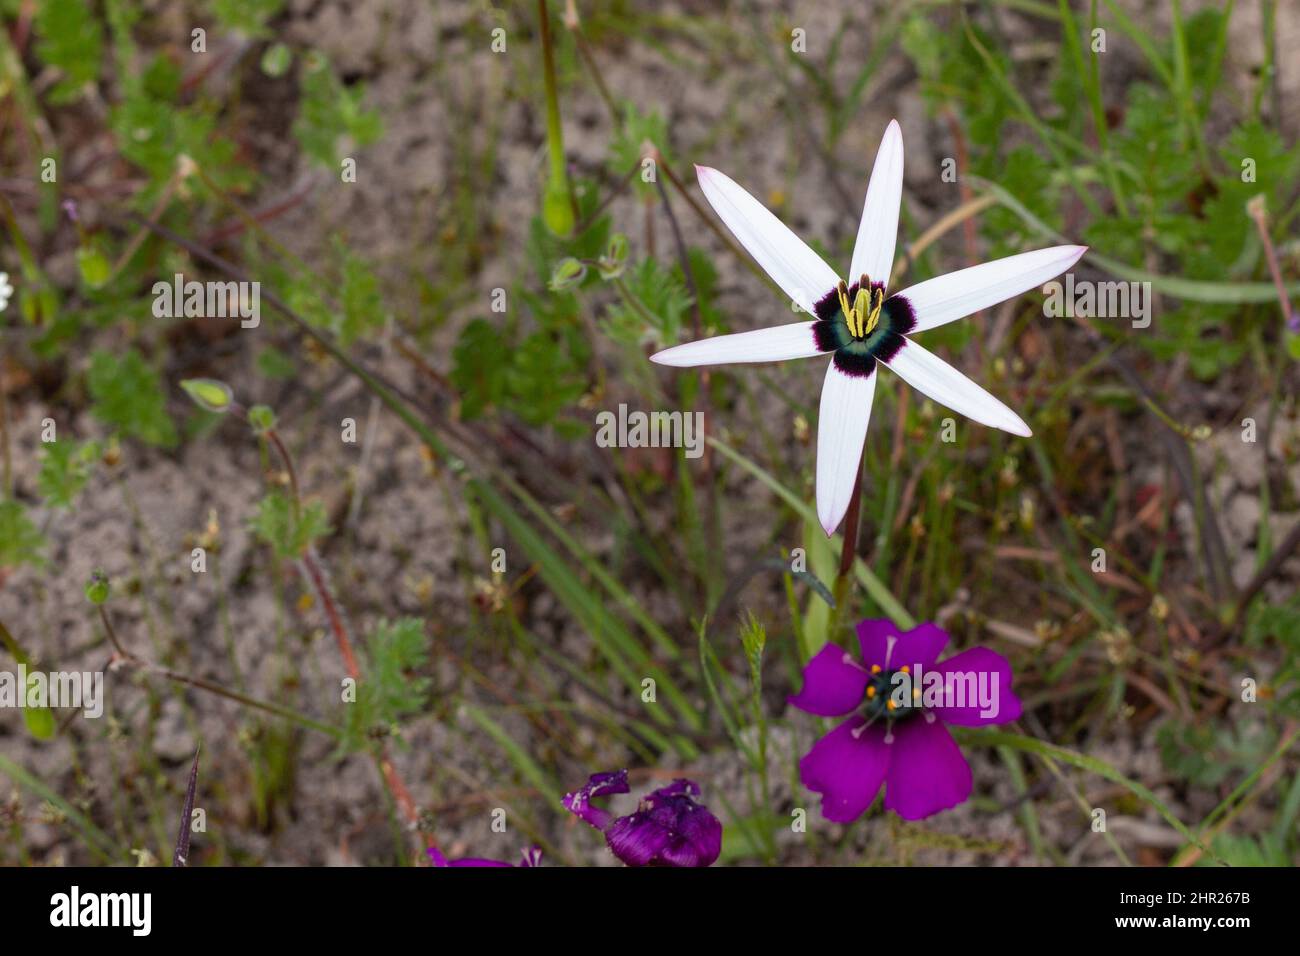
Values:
[(848, 552), (557, 200)]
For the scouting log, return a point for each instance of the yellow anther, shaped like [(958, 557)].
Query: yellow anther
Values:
[(861, 304), (875, 668), (871, 692), (878, 302), (891, 705), (843, 291), (905, 669)]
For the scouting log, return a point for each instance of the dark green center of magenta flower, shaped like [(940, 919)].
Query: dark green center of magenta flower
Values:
[(883, 698), (858, 345)]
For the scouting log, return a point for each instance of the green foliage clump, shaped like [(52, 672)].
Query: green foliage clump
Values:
[(390, 691), (127, 394), (20, 542), (289, 534), (330, 111), (72, 40), (248, 17), (65, 468)]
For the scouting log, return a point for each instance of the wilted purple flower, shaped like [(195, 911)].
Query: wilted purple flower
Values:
[(897, 701), (69, 207), (532, 857), (668, 828)]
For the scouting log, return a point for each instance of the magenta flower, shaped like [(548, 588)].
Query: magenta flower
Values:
[(668, 828), (897, 701), (532, 857)]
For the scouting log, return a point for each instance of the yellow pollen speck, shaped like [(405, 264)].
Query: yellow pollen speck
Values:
[(871, 692), (875, 668), (906, 670), (891, 705)]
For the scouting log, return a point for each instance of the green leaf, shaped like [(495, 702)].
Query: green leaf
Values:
[(127, 394), (478, 370), (39, 720), (94, 267), (20, 542), (66, 466), (276, 60), (208, 393), (568, 274), (70, 39), (626, 150), (329, 111), (247, 17), (289, 535), (393, 688)]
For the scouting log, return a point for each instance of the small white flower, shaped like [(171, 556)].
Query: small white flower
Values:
[(859, 322), (6, 290)]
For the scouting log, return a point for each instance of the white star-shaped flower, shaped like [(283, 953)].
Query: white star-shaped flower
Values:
[(6, 290), (859, 321)]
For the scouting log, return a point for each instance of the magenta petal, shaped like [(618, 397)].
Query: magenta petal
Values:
[(668, 829), (833, 684), (927, 772), (846, 770), (963, 675), (635, 840), (598, 785), (477, 861), (921, 646), (435, 855)]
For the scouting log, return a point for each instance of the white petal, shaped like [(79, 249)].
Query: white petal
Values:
[(928, 373), (873, 253), (945, 298), (801, 273), (841, 431), (776, 344)]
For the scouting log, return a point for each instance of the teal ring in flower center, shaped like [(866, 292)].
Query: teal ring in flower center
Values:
[(882, 698), (854, 355)]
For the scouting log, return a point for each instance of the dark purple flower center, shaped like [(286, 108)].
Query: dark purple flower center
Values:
[(891, 695), (861, 326)]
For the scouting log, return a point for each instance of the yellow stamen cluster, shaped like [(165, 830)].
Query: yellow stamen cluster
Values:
[(863, 315)]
